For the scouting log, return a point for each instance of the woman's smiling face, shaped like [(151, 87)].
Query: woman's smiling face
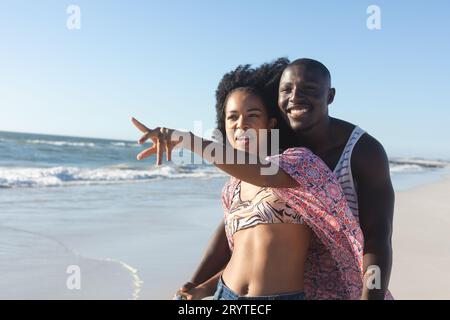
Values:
[(245, 118)]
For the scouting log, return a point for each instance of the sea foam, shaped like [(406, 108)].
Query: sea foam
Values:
[(11, 177)]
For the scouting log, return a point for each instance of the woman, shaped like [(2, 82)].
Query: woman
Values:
[(269, 219)]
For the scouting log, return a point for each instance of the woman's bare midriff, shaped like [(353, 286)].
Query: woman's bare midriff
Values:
[(268, 259)]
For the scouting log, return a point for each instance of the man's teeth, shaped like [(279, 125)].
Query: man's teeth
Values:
[(297, 112)]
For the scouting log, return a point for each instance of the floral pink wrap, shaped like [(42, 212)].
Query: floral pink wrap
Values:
[(334, 264)]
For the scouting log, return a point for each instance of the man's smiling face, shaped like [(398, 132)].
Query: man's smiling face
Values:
[(304, 95)]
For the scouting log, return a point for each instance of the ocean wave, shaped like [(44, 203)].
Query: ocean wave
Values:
[(406, 168), (62, 143), (61, 176), (124, 144), (415, 165), (119, 144)]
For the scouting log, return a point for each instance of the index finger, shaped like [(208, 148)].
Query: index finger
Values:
[(140, 126)]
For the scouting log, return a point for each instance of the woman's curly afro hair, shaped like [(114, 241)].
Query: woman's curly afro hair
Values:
[(262, 81)]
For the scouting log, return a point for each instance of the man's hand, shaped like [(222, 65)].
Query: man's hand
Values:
[(191, 292), (187, 286)]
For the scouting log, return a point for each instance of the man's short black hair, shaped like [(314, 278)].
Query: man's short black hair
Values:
[(316, 65)]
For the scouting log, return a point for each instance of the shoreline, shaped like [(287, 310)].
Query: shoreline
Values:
[(420, 242)]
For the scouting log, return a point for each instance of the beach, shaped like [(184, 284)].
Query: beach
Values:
[(127, 240), (421, 241), (137, 231)]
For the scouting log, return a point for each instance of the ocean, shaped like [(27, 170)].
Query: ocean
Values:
[(129, 229)]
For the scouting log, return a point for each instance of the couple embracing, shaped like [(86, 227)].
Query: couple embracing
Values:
[(318, 227)]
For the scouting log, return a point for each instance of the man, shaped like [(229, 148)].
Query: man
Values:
[(358, 160)]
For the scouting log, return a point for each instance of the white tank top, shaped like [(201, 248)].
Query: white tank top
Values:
[(343, 171)]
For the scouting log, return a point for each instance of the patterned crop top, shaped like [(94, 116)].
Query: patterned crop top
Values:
[(266, 207)]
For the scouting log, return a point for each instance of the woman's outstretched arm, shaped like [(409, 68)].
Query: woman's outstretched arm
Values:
[(255, 170)]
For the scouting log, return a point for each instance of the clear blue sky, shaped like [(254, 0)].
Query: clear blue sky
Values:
[(161, 61)]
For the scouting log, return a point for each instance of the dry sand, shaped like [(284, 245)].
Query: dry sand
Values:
[(421, 243)]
